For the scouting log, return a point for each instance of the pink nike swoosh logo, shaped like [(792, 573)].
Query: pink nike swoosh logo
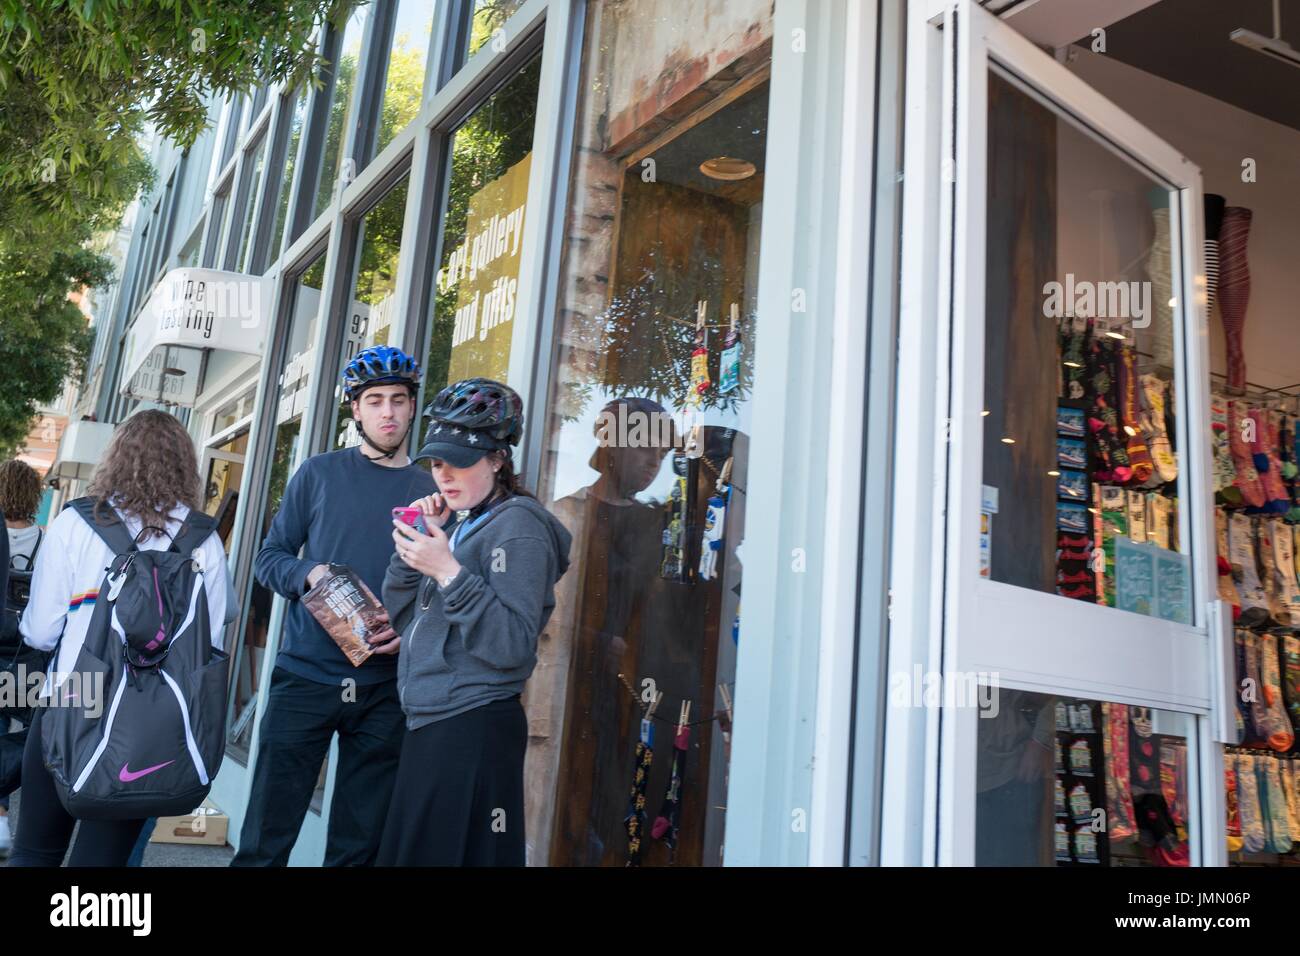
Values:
[(127, 776)]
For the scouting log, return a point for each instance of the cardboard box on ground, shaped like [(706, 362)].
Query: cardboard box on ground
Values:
[(206, 826)]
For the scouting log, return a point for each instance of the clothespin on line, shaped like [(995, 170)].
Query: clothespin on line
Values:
[(701, 311), (735, 315), (726, 700)]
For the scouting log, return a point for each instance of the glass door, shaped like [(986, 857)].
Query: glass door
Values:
[(1075, 632)]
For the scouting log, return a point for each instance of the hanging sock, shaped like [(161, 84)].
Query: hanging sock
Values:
[(1276, 725), (1284, 773), (1234, 290), (1214, 206), (1245, 570), (1290, 645), (1119, 795), (1233, 824), (1161, 331), (1252, 823), (669, 821), (1263, 450), (1139, 456), (1274, 808), (634, 821), (1288, 591), (1225, 473), (1103, 418), (1268, 572), (1240, 432), (1152, 392), (1247, 690), (1227, 588)]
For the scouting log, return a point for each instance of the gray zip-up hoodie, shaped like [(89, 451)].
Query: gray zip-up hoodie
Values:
[(476, 642)]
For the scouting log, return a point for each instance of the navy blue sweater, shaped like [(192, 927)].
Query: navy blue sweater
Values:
[(336, 509)]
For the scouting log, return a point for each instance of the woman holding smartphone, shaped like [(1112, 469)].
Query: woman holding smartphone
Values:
[(470, 599)]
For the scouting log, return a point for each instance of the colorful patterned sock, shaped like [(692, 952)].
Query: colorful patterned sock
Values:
[(1277, 725), (1247, 479), (1278, 829), (1225, 473), (1233, 823), (1245, 569), (1264, 454), (1252, 824), (1284, 560), (1119, 796), (1227, 587)]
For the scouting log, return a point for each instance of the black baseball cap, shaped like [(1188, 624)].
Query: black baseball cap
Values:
[(460, 447)]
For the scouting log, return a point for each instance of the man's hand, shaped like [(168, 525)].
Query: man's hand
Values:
[(315, 574), (386, 641)]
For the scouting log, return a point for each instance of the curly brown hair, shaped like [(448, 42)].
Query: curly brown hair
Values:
[(20, 490), (149, 468)]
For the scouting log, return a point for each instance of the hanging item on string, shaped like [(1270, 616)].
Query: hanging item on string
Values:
[(729, 376), (714, 525), (634, 821), (700, 357), (669, 820)]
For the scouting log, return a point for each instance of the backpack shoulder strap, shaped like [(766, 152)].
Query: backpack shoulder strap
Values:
[(113, 533), (198, 525)]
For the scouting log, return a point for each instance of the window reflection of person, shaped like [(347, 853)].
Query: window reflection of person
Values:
[(617, 547), (1015, 777)]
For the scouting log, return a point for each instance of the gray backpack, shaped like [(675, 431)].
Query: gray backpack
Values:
[(158, 735)]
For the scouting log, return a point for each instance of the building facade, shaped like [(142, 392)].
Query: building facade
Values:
[(821, 236)]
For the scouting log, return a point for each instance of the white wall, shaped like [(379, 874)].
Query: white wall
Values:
[(1217, 137)]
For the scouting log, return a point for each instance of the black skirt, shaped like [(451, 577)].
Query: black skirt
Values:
[(459, 796)]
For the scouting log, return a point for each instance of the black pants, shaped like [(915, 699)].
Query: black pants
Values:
[(45, 828), (301, 718), (459, 799)]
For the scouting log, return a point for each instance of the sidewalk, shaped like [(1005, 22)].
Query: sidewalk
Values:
[(155, 854)]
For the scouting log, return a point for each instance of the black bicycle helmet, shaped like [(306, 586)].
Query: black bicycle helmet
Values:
[(480, 405)]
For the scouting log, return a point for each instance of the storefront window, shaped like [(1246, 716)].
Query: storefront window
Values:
[(1069, 782), (477, 283), (404, 79), (297, 116), (340, 113), (221, 483), (1081, 481), (372, 306), (253, 177), (647, 435), (488, 18), (293, 388), (224, 208)]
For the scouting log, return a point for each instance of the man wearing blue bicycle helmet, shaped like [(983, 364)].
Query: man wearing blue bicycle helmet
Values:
[(337, 509)]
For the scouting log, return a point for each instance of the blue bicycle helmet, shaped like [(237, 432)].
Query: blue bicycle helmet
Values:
[(379, 365)]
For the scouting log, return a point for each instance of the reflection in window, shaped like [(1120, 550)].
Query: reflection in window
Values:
[(1068, 782), (372, 306), (340, 113), (1080, 476), (404, 79), (646, 438), (221, 483), (489, 16), (290, 400), (253, 177), (297, 117), (477, 282)]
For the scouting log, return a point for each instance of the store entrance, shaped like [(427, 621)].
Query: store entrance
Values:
[(1078, 571)]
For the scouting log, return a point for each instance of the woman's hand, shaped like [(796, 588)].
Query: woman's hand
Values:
[(434, 508), (427, 553)]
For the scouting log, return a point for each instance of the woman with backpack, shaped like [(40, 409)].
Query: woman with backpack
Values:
[(148, 481), (470, 598), (20, 499)]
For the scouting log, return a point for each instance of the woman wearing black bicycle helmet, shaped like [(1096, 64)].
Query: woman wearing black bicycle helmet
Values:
[(470, 598)]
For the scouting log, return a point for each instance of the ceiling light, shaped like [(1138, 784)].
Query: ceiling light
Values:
[(727, 168), (1274, 46)]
